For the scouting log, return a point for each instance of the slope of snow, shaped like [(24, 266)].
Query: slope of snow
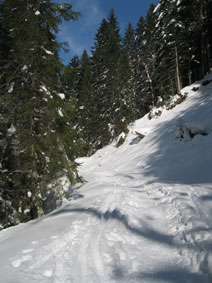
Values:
[(144, 214)]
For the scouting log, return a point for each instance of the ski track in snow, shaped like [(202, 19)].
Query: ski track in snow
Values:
[(132, 224), (116, 236)]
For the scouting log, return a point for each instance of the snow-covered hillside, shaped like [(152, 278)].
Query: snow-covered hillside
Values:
[(144, 214)]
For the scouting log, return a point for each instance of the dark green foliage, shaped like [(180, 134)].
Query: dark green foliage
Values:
[(34, 120), (104, 98), (129, 40), (126, 77), (120, 141), (111, 86), (143, 63), (183, 48)]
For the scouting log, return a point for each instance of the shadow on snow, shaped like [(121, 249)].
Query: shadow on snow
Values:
[(171, 274)]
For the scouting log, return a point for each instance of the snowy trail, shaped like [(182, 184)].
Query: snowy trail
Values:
[(128, 232), (144, 214), (124, 234)]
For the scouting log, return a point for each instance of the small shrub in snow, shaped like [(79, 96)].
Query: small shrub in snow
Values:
[(204, 83), (120, 141), (195, 88), (154, 113), (178, 101)]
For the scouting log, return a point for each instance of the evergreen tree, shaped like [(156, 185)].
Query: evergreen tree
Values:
[(183, 48), (130, 50), (33, 150), (138, 68), (129, 40), (173, 49), (85, 123), (144, 63), (70, 78), (111, 87), (149, 53)]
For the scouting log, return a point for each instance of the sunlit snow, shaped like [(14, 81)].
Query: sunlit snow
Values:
[(60, 112), (11, 87), (144, 214), (61, 95), (11, 130)]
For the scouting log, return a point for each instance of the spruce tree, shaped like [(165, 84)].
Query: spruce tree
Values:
[(111, 87), (34, 152), (130, 51), (86, 124), (70, 78), (144, 63), (129, 40), (183, 48), (173, 49), (138, 68)]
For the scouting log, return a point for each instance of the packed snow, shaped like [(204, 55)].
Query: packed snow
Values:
[(144, 214)]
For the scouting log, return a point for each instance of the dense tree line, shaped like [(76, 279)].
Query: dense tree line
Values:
[(50, 113), (124, 77)]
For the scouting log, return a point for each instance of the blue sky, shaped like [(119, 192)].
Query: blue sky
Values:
[(80, 35)]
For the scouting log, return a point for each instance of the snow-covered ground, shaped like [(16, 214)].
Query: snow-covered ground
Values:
[(144, 214)]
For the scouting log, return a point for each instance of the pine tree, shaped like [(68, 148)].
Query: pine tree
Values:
[(173, 50), (144, 63), (85, 122), (200, 18), (149, 52), (183, 48), (129, 40), (111, 88), (139, 70), (70, 78), (33, 152)]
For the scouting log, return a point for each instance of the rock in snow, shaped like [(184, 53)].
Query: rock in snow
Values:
[(144, 214)]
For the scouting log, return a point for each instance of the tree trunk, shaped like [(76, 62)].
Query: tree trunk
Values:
[(179, 85), (150, 83)]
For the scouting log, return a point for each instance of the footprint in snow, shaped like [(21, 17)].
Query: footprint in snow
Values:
[(47, 273), (17, 262)]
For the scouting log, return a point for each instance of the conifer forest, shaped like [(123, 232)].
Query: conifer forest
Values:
[(51, 113)]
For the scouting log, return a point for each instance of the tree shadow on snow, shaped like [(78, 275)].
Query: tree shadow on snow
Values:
[(136, 140), (170, 274), (177, 159), (143, 230)]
